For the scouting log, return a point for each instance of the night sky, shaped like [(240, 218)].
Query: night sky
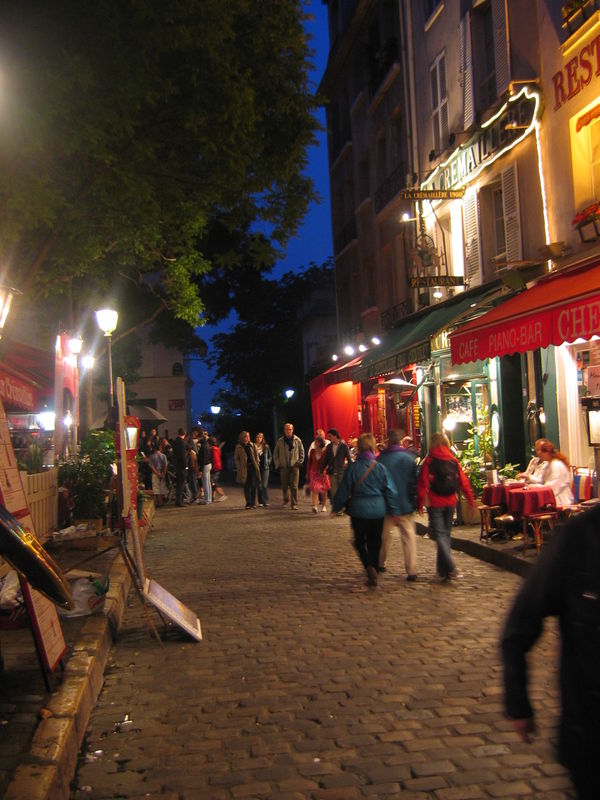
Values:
[(314, 240)]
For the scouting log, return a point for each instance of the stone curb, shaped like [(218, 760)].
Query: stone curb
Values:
[(483, 552), (49, 767)]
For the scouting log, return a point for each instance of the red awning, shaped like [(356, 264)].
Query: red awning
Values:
[(26, 376), (561, 307), (335, 399)]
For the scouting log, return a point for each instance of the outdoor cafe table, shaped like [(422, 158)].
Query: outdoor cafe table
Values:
[(529, 500), (496, 494)]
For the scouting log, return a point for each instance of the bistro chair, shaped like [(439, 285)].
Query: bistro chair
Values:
[(487, 516), (538, 522)]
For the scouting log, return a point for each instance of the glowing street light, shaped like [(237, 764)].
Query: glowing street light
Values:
[(107, 319)]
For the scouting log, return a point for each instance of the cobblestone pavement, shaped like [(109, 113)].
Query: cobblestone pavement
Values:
[(308, 685)]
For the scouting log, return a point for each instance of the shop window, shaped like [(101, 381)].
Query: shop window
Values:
[(439, 103)]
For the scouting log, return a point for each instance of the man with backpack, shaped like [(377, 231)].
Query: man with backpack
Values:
[(440, 479)]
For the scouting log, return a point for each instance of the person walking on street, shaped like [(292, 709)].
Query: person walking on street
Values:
[(247, 469), (402, 466), (158, 464), (265, 458), (216, 462), (318, 479), (338, 457), (180, 464), (368, 492), (440, 479), (564, 582), (204, 467), (288, 457)]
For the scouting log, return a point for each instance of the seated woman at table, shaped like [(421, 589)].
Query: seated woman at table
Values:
[(557, 473), (536, 467)]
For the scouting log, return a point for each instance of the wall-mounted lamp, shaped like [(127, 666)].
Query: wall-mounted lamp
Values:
[(363, 348), (376, 340), (349, 350), (334, 357)]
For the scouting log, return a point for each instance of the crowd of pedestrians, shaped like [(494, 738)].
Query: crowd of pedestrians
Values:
[(188, 467)]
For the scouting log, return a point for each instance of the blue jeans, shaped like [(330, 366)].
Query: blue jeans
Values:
[(206, 484), (440, 528)]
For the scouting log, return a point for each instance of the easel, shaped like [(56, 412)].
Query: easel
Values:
[(148, 590)]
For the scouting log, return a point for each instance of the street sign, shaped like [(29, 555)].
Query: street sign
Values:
[(435, 280), (432, 194)]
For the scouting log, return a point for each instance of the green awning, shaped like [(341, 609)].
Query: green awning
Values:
[(411, 342)]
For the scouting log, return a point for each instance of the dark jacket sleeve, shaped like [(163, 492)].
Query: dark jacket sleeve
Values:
[(539, 597)]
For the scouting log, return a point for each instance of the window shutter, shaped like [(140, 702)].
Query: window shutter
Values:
[(472, 245), (512, 214), (466, 70), (500, 46)]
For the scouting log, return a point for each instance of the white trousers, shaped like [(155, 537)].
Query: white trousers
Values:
[(408, 537)]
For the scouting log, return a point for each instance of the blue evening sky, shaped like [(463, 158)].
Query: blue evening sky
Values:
[(313, 242)]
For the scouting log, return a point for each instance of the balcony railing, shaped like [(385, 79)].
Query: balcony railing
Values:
[(390, 187), (392, 315)]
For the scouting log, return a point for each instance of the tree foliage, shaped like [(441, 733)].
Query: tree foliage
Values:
[(263, 355), (141, 141)]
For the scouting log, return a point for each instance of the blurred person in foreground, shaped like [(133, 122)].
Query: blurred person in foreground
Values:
[(402, 465), (368, 493), (440, 479), (564, 582)]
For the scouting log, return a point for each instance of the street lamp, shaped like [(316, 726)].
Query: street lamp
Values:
[(215, 410), (6, 295), (107, 319)]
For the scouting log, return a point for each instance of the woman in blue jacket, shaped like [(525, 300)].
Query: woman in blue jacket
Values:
[(368, 493)]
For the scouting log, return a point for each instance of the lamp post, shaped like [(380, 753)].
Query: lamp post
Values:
[(107, 319), (288, 394)]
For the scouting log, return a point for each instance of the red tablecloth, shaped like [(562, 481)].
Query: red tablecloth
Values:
[(529, 500), (496, 494)]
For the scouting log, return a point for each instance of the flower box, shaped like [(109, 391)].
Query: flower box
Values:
[(576, 12), (587, 223)]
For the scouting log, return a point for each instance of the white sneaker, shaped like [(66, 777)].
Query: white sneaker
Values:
[(324, 509), (315, 510)]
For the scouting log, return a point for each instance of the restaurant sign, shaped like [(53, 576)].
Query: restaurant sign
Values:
[(15, 393), (512, 123), (430, 281), (579, 319)]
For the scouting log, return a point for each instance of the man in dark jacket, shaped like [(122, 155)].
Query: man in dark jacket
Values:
[(565, 582), (337, 458), (180, 464)]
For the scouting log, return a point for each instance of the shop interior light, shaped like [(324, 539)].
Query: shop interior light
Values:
[(449, 424), (46, 420), (68, 420), (437, 294)]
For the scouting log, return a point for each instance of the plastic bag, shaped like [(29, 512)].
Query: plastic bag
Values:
[(89, 596), (10, 591)]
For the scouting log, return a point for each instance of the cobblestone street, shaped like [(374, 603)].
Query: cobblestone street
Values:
[(308, 685)]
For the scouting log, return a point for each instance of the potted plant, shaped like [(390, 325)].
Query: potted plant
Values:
[(88, 476), (588, 219), (475, 458)]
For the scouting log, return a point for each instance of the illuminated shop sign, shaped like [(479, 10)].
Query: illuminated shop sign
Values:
[(577, 73), (513, 122)]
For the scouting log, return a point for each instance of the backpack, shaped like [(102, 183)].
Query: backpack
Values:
[(444, 476)]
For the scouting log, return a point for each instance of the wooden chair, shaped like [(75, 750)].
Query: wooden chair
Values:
[(538, 521), (487, 515)]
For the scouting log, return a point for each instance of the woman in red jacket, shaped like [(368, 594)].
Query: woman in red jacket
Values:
[(440, 479)]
